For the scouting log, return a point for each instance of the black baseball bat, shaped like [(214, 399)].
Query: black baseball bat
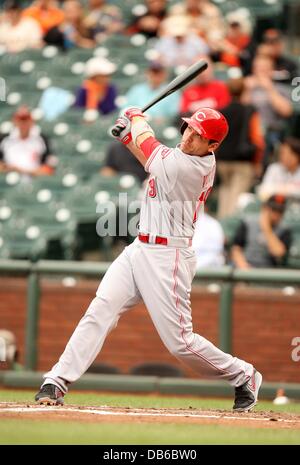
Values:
[(177, 83)]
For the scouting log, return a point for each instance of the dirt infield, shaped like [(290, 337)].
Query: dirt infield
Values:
[(106, 414)]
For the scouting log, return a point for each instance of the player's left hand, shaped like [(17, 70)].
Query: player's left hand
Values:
[(124, 124)]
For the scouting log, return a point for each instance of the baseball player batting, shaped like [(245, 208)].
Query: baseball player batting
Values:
[(159, 266)]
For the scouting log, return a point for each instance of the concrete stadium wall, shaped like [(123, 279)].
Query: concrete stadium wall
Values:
[(265, 321)]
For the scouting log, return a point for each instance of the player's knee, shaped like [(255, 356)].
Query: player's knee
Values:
[(100, 314), (179, 350), (98, 306)]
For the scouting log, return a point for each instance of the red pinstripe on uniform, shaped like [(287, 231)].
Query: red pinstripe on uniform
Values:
[(181, 318)]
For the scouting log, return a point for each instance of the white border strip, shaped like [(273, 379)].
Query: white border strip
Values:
[(136, 413)]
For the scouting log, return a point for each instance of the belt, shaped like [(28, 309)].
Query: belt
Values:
[(169, 241)]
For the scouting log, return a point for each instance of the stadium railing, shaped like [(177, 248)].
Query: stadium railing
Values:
[(227, 276)]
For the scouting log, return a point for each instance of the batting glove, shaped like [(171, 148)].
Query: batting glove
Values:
[(130, 112), (124, 124)]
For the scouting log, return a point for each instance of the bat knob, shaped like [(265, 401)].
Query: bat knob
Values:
[(115, 131)]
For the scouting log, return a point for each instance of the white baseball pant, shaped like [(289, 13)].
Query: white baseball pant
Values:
[(161, 276)]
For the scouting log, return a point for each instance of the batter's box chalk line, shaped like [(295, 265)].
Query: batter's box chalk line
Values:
[(136, 413)]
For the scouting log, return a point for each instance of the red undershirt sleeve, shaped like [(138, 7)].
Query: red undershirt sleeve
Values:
[(149, 145)]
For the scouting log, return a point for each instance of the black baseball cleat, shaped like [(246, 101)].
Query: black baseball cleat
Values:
[(49, 394), (247, 394)]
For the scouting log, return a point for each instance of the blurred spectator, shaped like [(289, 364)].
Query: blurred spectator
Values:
[(208, 242), (120, 160), (140, 94), (240, 156), (262, 241), (149, 23), (178, 46), (71, 32), (16, 32), (281, 398), (204, 19), (46, 13), (97, 91), (205, 92), (285, 69), (54, 102), (25, 149), (8, 351), (271, 99), (233, 48), (102, 19), (283, 177)]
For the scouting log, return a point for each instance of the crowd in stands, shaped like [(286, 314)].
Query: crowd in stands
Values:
[(248, 79), (262, 241), (25, 149), (97, 92)]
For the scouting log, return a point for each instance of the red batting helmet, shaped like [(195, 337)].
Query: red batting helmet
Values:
[(209, 123)]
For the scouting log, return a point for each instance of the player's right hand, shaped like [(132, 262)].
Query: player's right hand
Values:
[(123, 124)]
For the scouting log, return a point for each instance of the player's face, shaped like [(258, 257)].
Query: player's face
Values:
[(193, 143)]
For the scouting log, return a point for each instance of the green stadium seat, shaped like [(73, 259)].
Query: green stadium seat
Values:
[(82, 203), (6, 213), (253, 206), (9, 181), (98, 155), (31, 99), (123, 191), (292, 221), (74, 116), (79, 55), (6, 114), (68, 82), (168, 134), (20, 241), (54, 224), (263, 8), (16, 98), (293, 260), (221, 71), (31, 54), (25, 197), (9, 67), (117, 42), (115, 184), (59, 229), (257, 8), (86, 207), (85, 168), (22, 84), (63, 149), (56, 185)]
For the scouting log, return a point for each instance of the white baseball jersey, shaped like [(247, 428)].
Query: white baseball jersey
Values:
[(160, 275), (177, 189)]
